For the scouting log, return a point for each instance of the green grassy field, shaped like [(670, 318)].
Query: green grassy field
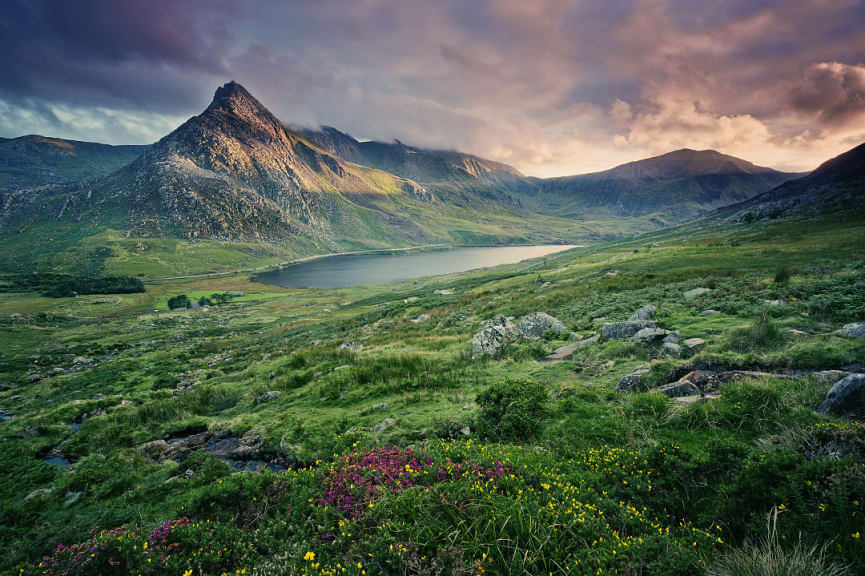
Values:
[(403, 456)]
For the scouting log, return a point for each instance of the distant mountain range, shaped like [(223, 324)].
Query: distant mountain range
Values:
[(31, 161), (236, 173)]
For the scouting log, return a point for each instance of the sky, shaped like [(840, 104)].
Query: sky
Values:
[(551, 87)]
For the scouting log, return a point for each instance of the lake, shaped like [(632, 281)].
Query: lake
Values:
[(340, 271)]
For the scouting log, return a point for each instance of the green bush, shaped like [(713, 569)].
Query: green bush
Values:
[(511, 410), (180, 301), (782, 275)]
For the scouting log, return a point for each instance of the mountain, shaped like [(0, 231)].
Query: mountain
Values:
[(31, 161), (235, 172), (419, 164), (837, 184), (667, 189)]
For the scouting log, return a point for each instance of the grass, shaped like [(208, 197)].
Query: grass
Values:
[(592, 479)]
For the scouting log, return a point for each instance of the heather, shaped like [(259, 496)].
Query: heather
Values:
[(301, 431)]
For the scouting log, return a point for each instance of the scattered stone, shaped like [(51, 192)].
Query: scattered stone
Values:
[(536, 326), (380, 406), (649, 335), (672, 349), (268, 396), (778, 302), (82, 360), (444, 292), (154, 450), (385, 424), (567, 351), (647, 312), (188, 474), (5, 415), (421, 318), (630, 382), (846, 398), (612, 274), (493, 337), (679, 388), (350, 346), (38, 493), (692, 343), (828, 377), (622, 330), (72, 498), (696, 292), (855, 330), (709, 312), (695, 399), (672, 337), (466, 431)]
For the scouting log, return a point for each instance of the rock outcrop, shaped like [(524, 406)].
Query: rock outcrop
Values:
[(846, 398), (536, 326), (493, 337)]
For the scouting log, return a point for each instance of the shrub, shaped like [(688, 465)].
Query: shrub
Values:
[(761, 335), (511, 410), (181, 301), (769, 558), (782, 275)]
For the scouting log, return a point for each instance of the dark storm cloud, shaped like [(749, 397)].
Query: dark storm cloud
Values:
[(551, 86)]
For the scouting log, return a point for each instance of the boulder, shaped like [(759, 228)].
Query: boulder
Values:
[(268, 396), (38, 493), (536, 326), (350, 346), (154, 450), (622, 330), (630, 382), (649, 335), (846, 398), (248, 447), (692, 343), (493, 337), (647, 312), (672, 337), (709, 312), (829, 377), (385, 424), (695, 382), (419, 319), (679, 389), (691, 294), (855, 330), (672, 349)]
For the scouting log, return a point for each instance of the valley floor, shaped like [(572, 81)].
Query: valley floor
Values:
[(129, 434)]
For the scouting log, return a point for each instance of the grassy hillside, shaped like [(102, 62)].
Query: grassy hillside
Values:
[(406, 456), (31, 161)]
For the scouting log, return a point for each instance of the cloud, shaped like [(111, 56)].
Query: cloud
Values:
[(833, 92), (551, 87)]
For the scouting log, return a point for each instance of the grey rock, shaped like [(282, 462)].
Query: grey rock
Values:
[(647, 312), (846, 398), (536, 326), (350, 346), (385, 424), (380, 406), (248, 447), (696, 292), (188, 474), (493, 337), (672, 349), (421, 318), (680, 388), (466, 431), (630, 382), (672, 337), (778, 302), (38, 493), (649, 335), (268, 396), (444, 292), (827, 377), (855, 330), (72, 498), (5, 415), (709, 312), (622, 330), (155, 449), (692, 343)]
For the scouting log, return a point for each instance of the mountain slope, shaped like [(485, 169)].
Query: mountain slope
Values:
[(419, 164), (33, 160), (837, 184), (667, 189)]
